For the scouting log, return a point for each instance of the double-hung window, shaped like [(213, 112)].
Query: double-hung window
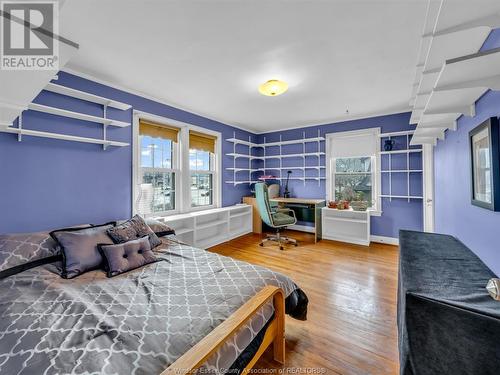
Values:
[(158, 168), (352, 172), (202, 168), (353, 179), (176, 167)]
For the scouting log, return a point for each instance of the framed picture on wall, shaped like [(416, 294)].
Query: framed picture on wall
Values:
[(485, 165)]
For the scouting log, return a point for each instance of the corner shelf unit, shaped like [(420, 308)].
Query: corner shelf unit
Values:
[(208, 228), (81, 95), (251, 175), (404, 138)]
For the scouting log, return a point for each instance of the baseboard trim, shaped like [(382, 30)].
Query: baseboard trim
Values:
[(301, 228), (386, 240)]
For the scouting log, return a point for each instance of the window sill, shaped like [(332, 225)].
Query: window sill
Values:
[(375, 212)]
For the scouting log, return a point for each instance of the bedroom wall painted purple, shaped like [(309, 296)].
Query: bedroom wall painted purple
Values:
[(52, 183), (454, 214), (398, 214)]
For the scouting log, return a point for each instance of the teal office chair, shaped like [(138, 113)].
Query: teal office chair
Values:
[(277, 218)]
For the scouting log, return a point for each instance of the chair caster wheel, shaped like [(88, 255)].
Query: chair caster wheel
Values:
[(281, 248), (261, 244), (296, 244)]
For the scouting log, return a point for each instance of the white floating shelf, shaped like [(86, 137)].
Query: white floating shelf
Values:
[(474, 71), (236, 155), (395, 134), (403, 171), (279, 143), (76, 115), (64, 137), (58, 89), (410, 151)]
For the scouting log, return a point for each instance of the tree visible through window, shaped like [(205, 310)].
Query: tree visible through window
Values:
[(353, 179)]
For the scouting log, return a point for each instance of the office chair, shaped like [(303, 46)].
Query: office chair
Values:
[(277, 218)]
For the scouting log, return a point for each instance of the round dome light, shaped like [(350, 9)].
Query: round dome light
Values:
[(273, 87)]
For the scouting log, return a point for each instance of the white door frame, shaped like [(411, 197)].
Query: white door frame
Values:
[(428, 188)]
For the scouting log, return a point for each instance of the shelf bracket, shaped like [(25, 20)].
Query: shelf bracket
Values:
[(105, 127), (20, 126)]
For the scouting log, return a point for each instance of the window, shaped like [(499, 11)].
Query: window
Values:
[(352, 159), (201, 167), (353, 179), (158, 158), (176, 167)]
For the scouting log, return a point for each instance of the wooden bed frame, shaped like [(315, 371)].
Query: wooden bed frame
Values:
[(275, 334)]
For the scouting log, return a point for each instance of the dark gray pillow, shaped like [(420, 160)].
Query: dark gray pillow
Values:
[(22, 251), (133, 229), (126, 256), (160, 229), (79, 248)]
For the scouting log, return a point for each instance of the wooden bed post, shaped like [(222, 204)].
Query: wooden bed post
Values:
[(195, 357), (279, 340)]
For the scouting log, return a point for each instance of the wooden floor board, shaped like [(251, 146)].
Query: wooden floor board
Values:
[(351, 326)]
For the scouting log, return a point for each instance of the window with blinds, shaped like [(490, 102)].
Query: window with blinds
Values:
[(158, 167), (202, 168)]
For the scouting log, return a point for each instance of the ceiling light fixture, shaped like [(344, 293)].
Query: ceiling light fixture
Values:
[(273, 87)]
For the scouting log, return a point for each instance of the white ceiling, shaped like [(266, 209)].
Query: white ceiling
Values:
[(209, 57)]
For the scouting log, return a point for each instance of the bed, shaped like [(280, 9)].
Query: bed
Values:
[(191, 310)]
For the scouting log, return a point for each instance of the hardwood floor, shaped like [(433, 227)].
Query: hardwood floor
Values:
[(351, 326)]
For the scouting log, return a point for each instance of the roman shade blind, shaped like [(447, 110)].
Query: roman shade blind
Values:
[(200, 141), (354, 145), (155, 130)]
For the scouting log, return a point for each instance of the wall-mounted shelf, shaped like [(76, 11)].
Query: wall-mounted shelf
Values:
[(270, 154), (76, 115), (409, 151), (63, 90), (58, 89), (64, 137), (399, 172)]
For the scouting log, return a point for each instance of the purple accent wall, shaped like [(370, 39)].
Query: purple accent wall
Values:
[(398, 213), (52, 183), (454, 214)]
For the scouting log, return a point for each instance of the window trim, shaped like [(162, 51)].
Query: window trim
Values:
[(376, 210), (182, 171)]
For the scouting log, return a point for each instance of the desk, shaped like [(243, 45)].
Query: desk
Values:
[(315, 204)]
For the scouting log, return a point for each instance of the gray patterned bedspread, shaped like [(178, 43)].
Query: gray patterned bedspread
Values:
[(136, 323)]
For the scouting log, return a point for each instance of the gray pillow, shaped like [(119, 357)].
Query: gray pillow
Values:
[(79, 248), (22, 251), (133, 229), (126, 256), (161, 229)]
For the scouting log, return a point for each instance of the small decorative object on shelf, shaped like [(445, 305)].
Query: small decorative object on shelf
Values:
[(493, 288), (359, 205), (389, 144)]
